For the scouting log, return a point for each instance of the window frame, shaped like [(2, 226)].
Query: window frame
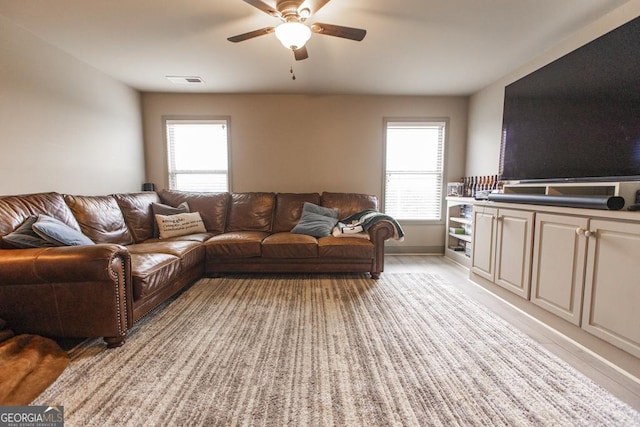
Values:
[(444, 121), (166, 120)]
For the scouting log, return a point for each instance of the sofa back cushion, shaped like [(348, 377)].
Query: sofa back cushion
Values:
[(289, 209), (251, 212), (100, 218), (349, 203), (211, 206), (14, 210), (136, 209)]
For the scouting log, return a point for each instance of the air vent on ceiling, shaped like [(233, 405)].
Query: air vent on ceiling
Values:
[(185, 79)]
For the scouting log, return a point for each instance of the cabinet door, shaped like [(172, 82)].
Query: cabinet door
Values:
[(612, 284), (513, 251), (558, 265), (482, 253)]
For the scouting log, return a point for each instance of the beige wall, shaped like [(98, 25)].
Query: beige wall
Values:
[(66, 127), (309, 143), (485, 106)]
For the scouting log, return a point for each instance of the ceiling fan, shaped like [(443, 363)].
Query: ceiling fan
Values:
[(293, 33)]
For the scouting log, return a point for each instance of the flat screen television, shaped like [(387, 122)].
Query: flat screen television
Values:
[(577, 118)]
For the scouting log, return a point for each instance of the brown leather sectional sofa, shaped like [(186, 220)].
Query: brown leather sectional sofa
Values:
[(101, 290)]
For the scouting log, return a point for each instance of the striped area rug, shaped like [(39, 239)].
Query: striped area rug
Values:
[(406, 350)]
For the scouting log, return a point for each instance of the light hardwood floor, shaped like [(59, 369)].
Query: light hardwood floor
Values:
[(622, 381)]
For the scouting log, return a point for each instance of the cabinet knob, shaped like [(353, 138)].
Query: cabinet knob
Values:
[(586, 233)]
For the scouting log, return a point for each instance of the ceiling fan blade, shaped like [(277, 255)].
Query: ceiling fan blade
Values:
[(301, 53), (339, 31), (264, 7), (313, 5), (251, 34)]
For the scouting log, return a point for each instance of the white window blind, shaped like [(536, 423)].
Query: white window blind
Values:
[(414, 169), (198, 155)]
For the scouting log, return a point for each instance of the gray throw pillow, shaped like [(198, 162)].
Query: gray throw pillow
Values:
[(161, 209), (314, 224), (58, 233), (24, 237), (320, 210)]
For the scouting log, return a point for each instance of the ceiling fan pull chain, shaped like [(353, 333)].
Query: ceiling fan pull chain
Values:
[(293, 76)]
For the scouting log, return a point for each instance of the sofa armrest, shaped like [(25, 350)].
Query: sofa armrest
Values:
[(61, 264), (71, 291), (381, 231), (378, 233)]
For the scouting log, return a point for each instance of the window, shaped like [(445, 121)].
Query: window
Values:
[(198, 158), (414, 169)]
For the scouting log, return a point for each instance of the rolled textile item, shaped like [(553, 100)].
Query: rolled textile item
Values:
[(589, 202)]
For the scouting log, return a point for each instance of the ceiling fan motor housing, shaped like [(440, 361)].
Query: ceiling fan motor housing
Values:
[(289, 10)]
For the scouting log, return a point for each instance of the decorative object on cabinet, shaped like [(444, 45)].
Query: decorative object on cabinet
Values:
[(455, 189), (472, 185)]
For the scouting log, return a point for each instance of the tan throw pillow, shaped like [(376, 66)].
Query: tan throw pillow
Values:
[(179, 224)]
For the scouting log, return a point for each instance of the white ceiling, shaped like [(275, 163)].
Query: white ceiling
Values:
[(412, 47)]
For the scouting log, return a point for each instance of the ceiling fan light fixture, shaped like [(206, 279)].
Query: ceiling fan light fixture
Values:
[(293, 35)]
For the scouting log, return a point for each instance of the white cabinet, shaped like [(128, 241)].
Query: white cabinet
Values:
[(582, 265), (559, 256), (502, 248), (459, 226), (583, 271), (611, 307)]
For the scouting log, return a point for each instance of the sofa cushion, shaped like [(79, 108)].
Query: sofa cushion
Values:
[(289, 209), (152, 271), (251, 212), (137, 213), (349, 203), (58, 233), (211, 206), (13, 213), (14, 210), (314, 224), (179, 224), (345, 247), (190, 253), (100, 218), (236, 244), (289, 245), (24, 237)]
